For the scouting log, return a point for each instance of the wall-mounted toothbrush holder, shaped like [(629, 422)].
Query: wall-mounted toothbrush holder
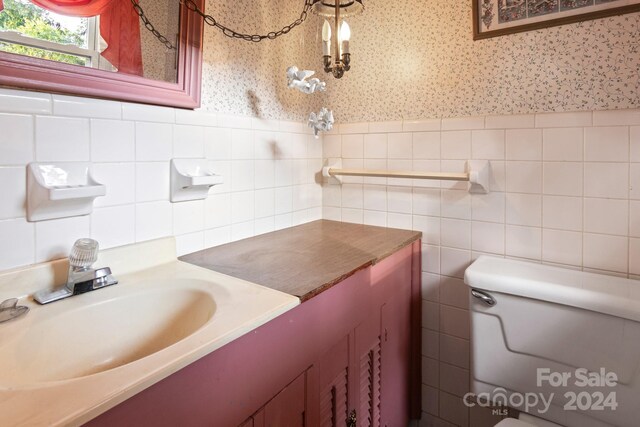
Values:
[(60, 190), (191, 179)]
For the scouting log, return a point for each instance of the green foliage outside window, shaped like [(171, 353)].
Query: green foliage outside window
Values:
[(32, 21)]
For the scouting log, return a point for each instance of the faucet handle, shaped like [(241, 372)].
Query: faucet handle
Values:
[(84, 253)]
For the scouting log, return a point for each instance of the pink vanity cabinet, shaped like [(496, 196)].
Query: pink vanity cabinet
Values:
[(352, 350)]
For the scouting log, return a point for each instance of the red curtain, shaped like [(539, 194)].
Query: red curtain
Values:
[(84, 8), (119, 27)]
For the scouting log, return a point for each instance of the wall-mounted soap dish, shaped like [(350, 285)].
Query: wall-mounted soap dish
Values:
[(60, 190), (191, 179)]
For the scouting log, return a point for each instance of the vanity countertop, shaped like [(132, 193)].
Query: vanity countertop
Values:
[(305, 260)]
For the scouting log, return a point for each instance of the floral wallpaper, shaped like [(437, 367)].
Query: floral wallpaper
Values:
[(418, 60), (159, 62), (247, 78)]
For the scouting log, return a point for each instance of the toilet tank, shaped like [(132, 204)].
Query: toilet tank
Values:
[(548, 334)]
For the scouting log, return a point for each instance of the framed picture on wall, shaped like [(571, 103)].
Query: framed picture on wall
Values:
[(492, 18)]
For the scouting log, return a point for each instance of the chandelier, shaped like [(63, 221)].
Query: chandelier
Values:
[(337, 9)]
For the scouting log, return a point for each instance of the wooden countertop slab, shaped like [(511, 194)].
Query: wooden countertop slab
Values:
[(305, 260)]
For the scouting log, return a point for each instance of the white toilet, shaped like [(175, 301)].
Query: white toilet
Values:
[(562, 346)]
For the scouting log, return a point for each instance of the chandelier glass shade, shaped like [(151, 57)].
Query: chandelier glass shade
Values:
[(338, 61), (327, 8)]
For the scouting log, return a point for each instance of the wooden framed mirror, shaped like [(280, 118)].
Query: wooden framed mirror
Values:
[(177, 86)]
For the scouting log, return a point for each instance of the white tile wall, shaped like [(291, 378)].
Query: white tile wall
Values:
[(563, 144), (17, 101), (524, 144), (488, 144), (634, 136), (565, 190), (154, 141), (426, 145), (113, 141), (269, 170), (62, 139), (114, 226), (188, 141), (55, 237), (11, 253), (12, 192), (85, 107), (16, 141)]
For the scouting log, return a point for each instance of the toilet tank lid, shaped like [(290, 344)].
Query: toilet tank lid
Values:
[(596, 292)]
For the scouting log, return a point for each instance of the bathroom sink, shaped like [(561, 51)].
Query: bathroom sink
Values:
[(75, 358), (106, 333)]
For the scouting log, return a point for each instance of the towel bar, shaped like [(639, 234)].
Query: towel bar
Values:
[(477, 173)]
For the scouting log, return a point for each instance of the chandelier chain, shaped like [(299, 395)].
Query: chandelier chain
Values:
[(149, 26), (211, 21)]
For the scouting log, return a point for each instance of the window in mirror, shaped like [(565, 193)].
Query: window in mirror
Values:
[(27, 29), (102, 34)]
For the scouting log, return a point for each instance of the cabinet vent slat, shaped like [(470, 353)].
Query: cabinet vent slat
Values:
[(369, 414), (333, 402), (377, 384)]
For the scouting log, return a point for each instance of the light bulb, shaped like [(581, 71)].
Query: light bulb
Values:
[(326, 31), (326, 38), (345, 36), (345, 32)]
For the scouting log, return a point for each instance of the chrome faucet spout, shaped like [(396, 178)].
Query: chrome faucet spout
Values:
[(91, 280), (78, 274), (81, 277)]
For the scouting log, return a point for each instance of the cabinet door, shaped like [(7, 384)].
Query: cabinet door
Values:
[(333, 372), (395, 353), (287, 409)]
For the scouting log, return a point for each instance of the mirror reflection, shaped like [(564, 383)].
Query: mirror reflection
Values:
[(103, 34)]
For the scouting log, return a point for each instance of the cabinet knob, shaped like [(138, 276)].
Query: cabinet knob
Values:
[(352, 420)]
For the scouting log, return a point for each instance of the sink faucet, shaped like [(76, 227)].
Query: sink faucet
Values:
[(81, 278)]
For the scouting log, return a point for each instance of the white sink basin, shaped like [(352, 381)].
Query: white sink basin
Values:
[(107, 334), (64, 363)]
